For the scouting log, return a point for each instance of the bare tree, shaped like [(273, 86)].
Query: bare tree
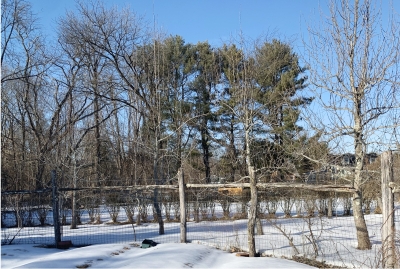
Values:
[(26, 62), (89, 77), (18, 25), (118, 38), (15, 21), (354, 71)]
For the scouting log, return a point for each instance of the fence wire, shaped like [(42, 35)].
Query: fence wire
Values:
[(316, 225)]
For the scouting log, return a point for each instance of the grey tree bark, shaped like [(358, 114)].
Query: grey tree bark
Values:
[(353, 62)]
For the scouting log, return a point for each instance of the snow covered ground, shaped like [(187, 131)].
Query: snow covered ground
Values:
[(170, 255)]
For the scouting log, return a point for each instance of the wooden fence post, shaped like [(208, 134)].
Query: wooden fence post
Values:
[(182, 203), (56, 217), (388, 227)]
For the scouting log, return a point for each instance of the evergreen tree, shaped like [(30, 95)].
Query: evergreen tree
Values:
[(202, 87), (228, 128), (279, 78), (176, 70)]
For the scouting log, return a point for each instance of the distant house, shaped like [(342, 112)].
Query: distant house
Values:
[(371, 157), (349, 159), (338, 166)]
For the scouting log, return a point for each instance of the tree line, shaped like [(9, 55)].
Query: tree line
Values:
[(114, 101)]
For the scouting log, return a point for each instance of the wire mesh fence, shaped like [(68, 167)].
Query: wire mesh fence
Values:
[(316, 225), (290, 221)]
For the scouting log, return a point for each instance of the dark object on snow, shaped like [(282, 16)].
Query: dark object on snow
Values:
[(148, 243), (64, 244), (246, 254)]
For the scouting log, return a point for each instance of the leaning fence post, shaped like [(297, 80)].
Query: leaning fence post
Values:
[(56, 222), (388, 227), (181, 183)]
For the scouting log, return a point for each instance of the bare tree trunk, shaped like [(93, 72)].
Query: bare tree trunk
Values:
[(330, 207), (97, 139), (73, 198), (182, 203), (252, 213), (155, 192), (359, 221), (260, 230), (119, 147), (358, 98)]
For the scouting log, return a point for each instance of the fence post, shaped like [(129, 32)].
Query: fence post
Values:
[(56, 218), (388, 227), (182, 204)]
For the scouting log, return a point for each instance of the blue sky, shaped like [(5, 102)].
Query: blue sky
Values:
[(212, 20)]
